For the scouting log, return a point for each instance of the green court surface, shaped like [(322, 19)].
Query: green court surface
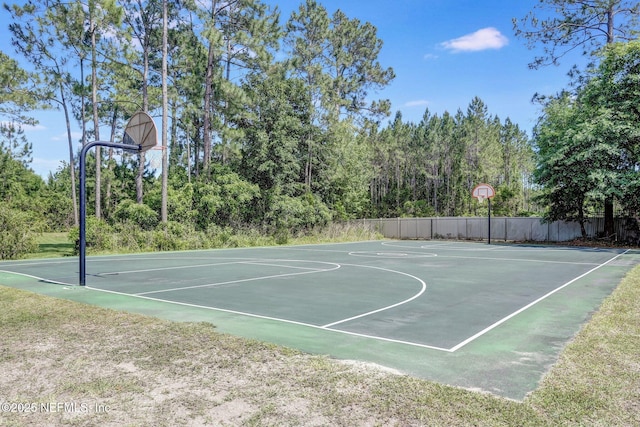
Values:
[(485, 317)]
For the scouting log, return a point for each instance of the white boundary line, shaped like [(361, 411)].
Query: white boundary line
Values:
[(178, 267), (42, 279), (312, 270), (251, 279), (422, 291), (392, 255), (542, 261), (328, 327), (515, 313), (487, 257), (239, 261), (483, 247), (459, 246), (37, 262), (276, 319)]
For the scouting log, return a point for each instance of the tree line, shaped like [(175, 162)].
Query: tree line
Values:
[(280, 112), (271, 122)]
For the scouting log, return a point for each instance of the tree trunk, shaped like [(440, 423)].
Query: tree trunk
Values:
[(145, 108), (608, 203), (308, 166), (609, 229), (112, 138), (208, 98), (96, 121), (165, 166), (72, 168)]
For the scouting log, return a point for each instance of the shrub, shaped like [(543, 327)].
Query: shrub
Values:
[(174, 236), (18, 233), (98, 234), (290, 214), (136, 213)]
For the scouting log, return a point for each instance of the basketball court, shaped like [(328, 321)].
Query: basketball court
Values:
[(486, 317)]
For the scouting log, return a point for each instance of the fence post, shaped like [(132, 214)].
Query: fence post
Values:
[(431, 232), (506, 228)]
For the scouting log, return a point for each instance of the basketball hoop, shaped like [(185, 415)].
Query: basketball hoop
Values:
[(482, 192), (141, 131), (140, 135)]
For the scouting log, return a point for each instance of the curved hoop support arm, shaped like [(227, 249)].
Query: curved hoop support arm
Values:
[(82, 250)]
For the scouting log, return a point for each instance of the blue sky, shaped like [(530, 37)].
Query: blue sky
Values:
[(443, 52)]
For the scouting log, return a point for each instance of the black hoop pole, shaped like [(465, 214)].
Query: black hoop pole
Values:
[(489, 231), (82, 250)]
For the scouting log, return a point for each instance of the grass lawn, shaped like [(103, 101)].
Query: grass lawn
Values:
[(73, 364), (52, 245)]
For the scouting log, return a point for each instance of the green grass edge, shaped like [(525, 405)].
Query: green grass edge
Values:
[(596, 380)]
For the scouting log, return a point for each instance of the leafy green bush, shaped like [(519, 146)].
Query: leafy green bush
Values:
[(291, 214), (127, 236), (175, 236), (18, 233), (99, 235), (316, 211), (137, 213), (218, 237)]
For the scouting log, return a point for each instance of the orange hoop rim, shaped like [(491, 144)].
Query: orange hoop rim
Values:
[(484, 191)]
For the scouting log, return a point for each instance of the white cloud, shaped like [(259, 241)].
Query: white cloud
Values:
[(417, 103), (43, 166), (28, 128), (24, 127), (75, 136), (486, 38), (430, 56)]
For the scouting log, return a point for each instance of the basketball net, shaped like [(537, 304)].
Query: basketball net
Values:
[(154, 156), (481, 198)]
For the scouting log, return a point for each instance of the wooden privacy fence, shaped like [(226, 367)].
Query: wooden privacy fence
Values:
[(502, 228)]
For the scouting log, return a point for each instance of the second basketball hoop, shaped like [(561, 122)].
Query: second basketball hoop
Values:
[(482, 192)]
